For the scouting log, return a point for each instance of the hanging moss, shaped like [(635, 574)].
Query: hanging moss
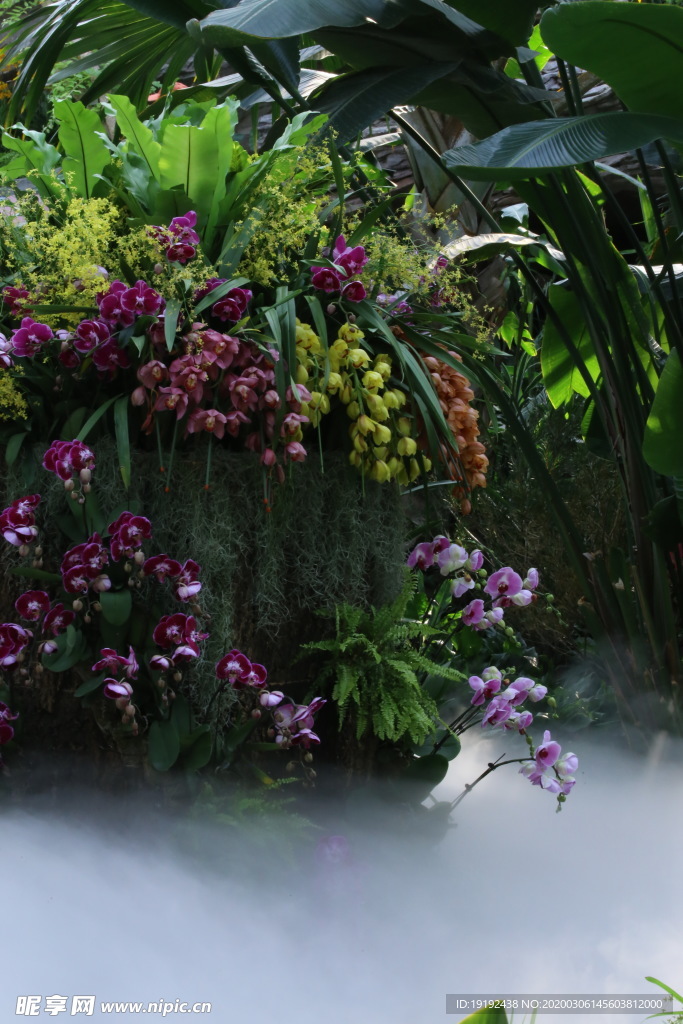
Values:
[(327, 540)]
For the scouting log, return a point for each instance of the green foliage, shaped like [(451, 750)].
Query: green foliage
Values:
[(377, 667)]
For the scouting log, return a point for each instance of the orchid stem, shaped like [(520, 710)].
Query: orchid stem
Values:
[(167, 488), (491, 768)]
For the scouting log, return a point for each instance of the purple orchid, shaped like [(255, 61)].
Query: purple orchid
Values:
[(28, 339)]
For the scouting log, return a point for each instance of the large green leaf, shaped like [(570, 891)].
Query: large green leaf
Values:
[(636, 48), (663, 441), (537, 148), (272, 19), (356, 100), (561, 374), (197, 157), (511, 20), (139, 136), (164, 745), (86, 154)]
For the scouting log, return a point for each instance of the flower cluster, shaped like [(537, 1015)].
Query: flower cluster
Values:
[(503, 707), (505, 587), (6, 730), (36, 606), (185, 577), (178, 636), (294, 723), (13, 640), (455, 395), (69, 458), (549, 770), (342, 277), (179, 238), (220, 370), (240, 672), (18, 522)]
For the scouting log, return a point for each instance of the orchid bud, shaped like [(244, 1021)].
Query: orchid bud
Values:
[(38, 551), (85, 475), (122, 703), (69, 485), (81, 500), (256, 713), (86, 488), (271, 734), (24, 550), (134, 728), (37, 563), (139, 396), (158, 268), (38, 669), (96, 607), (139, 557), (177, 677), (129, 712), (77, 605), (87, 618), (331, 309), (308, 758), (290, 768)]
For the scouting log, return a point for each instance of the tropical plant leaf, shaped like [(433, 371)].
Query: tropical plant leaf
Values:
[(355, 100), (541, 147), (562, 375), (116, 606), (635, 48), (662, 443), (122, 438), (139, 135), (271, 19), (86, 155), (164, 745)]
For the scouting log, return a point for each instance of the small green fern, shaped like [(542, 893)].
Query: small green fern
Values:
[(377, 666)]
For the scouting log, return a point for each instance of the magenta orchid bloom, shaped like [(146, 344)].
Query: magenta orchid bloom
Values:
[(519, 721), (484, 689), (65, 458), (235, 667), (127, 534), (6, 730), (110, 307), (271, 699), (175, 630), (17, 521), (28, 339), (33, 605), (90, 334), (460, 586), (504, 583), (351, 260), (498, 712), (210, 420), (57, 619), (142, 300), (13, 639), (451, 558), (152, 373), (172, 399), (256, 676), (14, 300), (162, 568), (232, 306), (473, 613), (326, 279), (518, 691), (354, 292), (548, 752), (5, 353), (109, 357), (210, 285), (187, 584), (116, 690), (421, 557)]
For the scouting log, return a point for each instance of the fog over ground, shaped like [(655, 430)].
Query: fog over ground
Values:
[(101, 898)]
